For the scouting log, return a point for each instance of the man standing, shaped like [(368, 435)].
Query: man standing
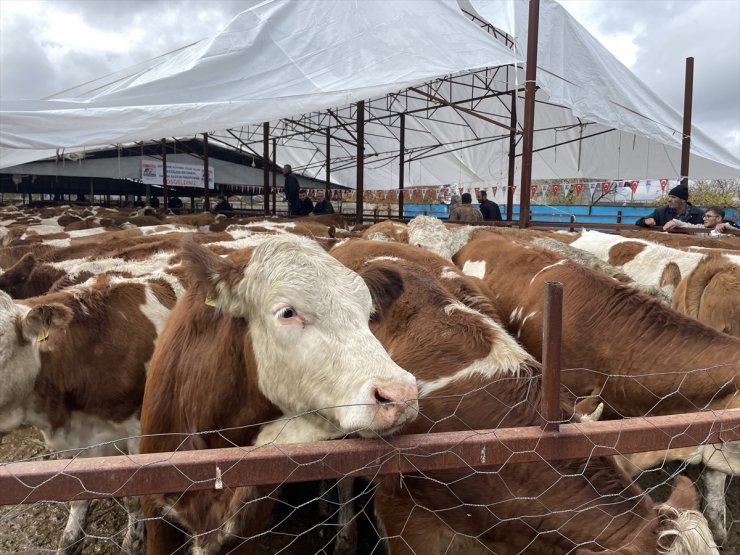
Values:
[(489, 209), (466, 212), (291, 189), (678, 208)]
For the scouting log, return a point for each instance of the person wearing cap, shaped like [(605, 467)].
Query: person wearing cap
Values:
[(678, 208)]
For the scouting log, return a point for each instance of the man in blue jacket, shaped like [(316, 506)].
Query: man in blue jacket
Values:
[(678, 208)]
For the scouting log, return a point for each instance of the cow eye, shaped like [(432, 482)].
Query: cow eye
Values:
[(286, 312)]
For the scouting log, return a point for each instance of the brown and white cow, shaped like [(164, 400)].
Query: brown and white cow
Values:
[(281, 328), (649, 264), (662, 363), (74, 363), (442, 326), (711, 294)]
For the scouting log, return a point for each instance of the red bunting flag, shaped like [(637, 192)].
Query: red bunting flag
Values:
[(555, 188), (533, 190), (513, 189), (605, 186), (663, 185), (633, 186)]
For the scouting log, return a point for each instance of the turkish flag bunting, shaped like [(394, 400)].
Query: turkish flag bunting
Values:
[(533, 190), (633, 186), (555, 188), (605, 186), (663, 185)]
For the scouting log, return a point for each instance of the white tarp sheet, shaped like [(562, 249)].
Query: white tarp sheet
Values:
[(282, 58)]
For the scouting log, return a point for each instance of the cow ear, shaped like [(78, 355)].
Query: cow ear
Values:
[(19, 271), (684, 497), (385, 284), (213, 274), (42, 318)]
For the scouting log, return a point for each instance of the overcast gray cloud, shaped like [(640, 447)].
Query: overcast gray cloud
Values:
[(49, 46)]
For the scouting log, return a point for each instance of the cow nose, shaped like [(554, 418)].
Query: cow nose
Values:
[(395, 393), (397, 403)]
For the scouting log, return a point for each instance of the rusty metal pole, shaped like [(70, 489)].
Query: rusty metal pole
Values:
[(274, 176), (206, 181), (512, 160), (551, 334), (688, 99), (359, 208), (530, 90), (164, 170), (327, 186), (266, 166), (401, 162)]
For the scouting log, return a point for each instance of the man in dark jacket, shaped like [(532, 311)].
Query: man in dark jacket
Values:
[(489, 209), (303, 206), (678, 208), (322, 206), (291, 188)]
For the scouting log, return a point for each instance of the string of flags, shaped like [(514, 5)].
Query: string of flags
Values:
[(443, 194)]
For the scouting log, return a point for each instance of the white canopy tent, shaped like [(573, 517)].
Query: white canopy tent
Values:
[(454, 69)]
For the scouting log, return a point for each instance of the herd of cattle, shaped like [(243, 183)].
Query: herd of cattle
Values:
[(125, 333)]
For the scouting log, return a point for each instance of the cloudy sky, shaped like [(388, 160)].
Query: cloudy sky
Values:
[(49, 46)]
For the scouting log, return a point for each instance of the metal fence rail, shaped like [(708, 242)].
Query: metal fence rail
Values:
[(89, 478)]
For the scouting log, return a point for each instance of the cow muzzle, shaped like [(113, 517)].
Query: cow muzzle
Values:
[(390, 407)]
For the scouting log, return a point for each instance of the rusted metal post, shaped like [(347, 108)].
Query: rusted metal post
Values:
[(401, 162), (551, 334), (360, 161), (512, 160), (164, 171), (688, 99), (274, 176), (327, 186), (266, 166), (530, 90), (206, 181)]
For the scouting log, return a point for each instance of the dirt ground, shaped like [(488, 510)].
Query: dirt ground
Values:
[(35, 529)]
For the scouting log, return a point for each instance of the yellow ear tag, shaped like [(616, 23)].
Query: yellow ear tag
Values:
[(211, 301), (42, 336)]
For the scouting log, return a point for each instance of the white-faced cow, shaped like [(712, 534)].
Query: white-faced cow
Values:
[(662, 363), (442, 326), (73, 364), (280, 328)]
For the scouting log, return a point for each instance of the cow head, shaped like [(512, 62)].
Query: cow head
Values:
[(308, 321), (24, 332), (432, 234)]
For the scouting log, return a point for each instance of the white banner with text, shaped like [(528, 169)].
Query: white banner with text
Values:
[(178, 175)]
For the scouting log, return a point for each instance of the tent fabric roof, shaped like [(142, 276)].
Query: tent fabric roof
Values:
[(302, 65)]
